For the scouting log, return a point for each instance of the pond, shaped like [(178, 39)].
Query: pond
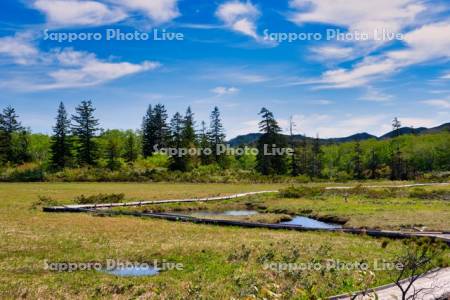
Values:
[(134, 271), (311, 223), (296, 220), (230, 213)]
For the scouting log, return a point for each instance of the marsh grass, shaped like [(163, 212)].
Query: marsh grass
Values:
[(219, 262)]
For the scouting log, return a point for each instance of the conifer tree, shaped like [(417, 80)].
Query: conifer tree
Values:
[(373, 164), (397, 171), (148, 133), (61, 154), (270, 163), (9, 125), (316, 161), (216, 134), (131, 147), (84, 129), (357, 161), (203, 141), (159, 127), (177, 161)]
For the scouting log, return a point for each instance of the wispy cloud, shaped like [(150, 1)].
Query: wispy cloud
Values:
[(64, 13), (429, 42), (375, 95), (223, 90), (240, 17), (73, 13), (440, 103), (67, 68), (20, 48)]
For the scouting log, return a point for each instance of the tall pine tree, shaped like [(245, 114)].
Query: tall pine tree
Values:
[(148, 133), (357, 161), (316, 159), (203, 141), (131, 147), (177, 162), (159, 126), (269, 161), (9, 125), (216, 134), (84, 129), (61, 153)]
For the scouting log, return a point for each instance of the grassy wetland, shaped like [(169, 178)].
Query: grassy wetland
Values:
[(218, 262)]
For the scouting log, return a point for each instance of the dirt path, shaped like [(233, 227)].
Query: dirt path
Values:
[(429, 287), (389, 186)]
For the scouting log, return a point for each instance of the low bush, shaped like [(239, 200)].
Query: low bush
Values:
[(44, 201), (421, 193), (301, 191), (100, 198), (29, 172)]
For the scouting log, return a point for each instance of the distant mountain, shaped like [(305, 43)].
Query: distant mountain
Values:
[(247, 139), (420, 130), (356, 137), (402, 131), (252, 138)]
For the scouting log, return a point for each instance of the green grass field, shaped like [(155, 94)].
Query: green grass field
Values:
[(219, 262)]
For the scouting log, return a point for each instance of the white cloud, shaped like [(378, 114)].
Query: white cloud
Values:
[(332, 52), (222, 90), (66, 68), (446, 76), (19, 48), (240, 17), (322, 102), (81, 69), (357, 15), (159, 11), (419, 122), (68, 13), (429, 42), (440, 103), (62, 13), (376, 95)]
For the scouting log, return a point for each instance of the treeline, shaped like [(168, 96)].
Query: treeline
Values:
[(79, 149)]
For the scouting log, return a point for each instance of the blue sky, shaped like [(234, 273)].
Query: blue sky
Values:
[(231, 56)]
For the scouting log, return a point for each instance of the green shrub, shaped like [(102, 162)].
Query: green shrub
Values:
[(44, 201), (301, 191), (421, 193), (29, 172), (100, 198)]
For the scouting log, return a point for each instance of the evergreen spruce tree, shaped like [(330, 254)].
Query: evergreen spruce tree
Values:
[(148, 133), (159, 127), (203, 142), (270, 163), (84, 129), (316, 158), (216, 135), (357, 161), (61, 154), (131, 147), (9, 125), (373, 164), (397, 166), (177, 162), (295, 168), (188, 128), (113, 149), (189, 139)]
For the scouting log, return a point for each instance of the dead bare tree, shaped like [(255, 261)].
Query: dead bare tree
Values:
[(421, 256)]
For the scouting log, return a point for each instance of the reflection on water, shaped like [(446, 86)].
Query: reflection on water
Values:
[(133, 271), (310, 223), (234, 213)]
